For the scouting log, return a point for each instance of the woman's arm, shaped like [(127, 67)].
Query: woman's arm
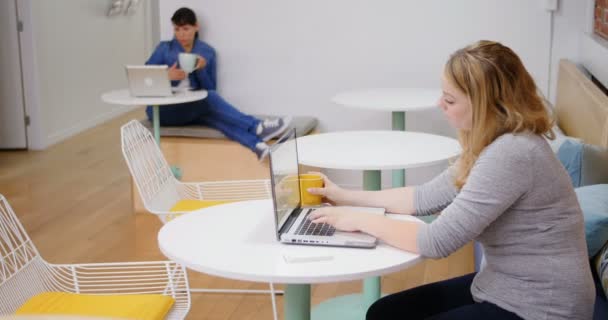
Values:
[(399, 234), (159, 54), (207, 75), (501, 175), (435, 195), (425, 199), (397, 200)]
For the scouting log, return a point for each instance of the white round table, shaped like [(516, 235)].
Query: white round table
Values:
[(390, 99), (373, 151), (238, 241), (123, 97), (397, 100)]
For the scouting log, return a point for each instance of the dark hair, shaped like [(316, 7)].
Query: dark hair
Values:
[(184, 16)]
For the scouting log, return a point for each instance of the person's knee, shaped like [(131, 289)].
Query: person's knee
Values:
[(213, 96), (378, 310)]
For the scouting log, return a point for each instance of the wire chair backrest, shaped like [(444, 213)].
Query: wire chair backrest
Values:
[(23, 273), (153, 177), (238, 190)]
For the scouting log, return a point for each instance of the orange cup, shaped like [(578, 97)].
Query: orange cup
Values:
[(289, 184), (308, 180)]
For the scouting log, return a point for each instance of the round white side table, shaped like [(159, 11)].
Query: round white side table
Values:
[(123, 97), (396, 100), (373, 151), (239, 241)]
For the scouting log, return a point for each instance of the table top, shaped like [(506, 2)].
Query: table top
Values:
[(124, 97), (238, 241), (375, 150), (390, 99)]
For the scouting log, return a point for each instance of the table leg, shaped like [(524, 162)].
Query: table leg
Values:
[(372, 180), (297, 302), (398, 125), (353, 306), (156, 123), (371, 291), (177, 172)]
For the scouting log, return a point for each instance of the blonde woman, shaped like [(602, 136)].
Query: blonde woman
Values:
[(507, 191)]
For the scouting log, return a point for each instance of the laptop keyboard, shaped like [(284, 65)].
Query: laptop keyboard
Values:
[(314, 229)]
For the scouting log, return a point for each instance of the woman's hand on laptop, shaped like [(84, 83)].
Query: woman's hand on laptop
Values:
[(176, 73), (330, 191), (341, 218)]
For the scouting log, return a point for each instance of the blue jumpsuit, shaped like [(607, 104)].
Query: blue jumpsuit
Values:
[(212, 111)]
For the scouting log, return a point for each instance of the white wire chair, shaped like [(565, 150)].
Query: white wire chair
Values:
[(158, 187), (160, 190), (24, 273)]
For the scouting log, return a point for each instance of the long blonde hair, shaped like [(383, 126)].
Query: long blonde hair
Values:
[(503, 97)]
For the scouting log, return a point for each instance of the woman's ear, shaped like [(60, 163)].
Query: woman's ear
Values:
[(198, 30)]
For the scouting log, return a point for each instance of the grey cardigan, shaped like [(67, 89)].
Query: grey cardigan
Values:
[(518, 202)]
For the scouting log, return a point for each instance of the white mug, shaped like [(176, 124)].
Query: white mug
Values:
[(187, 61)]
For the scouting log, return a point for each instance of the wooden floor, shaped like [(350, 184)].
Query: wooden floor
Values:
[(74, 200)]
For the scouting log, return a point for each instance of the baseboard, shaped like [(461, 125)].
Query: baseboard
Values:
[(84, 125)]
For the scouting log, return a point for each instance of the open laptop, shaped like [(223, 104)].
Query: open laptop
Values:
[(291, 223), (149, 81)]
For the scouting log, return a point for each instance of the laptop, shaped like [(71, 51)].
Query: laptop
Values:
[(292, 225), (149, 81)]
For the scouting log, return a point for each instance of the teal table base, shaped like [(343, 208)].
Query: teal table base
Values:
[(297, 302), (177, 172), (349, 307)]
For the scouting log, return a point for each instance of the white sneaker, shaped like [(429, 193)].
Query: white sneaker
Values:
[(270, 128), (261, 150)]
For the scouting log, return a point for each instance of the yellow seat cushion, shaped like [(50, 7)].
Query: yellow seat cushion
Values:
[(191, 205), (141, 306)]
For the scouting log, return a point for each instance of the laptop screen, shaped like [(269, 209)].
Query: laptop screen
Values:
[(284, 176)]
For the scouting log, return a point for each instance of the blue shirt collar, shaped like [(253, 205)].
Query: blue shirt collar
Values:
[(178, 45)]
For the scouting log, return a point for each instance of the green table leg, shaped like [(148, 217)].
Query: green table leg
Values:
[(371, 291), (177, 172), (371, 180), (297, 302), (398, 125), (371, 286), (156, 123), (353, 306)]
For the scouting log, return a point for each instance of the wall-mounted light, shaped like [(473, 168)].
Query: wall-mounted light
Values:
[(115, 7), (132, 7), (127, 7)]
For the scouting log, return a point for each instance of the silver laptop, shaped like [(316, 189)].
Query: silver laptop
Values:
[(291, 219), (149, 81)]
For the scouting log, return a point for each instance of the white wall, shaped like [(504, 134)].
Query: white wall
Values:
[(291, 57), (569, 23), (73, 54)]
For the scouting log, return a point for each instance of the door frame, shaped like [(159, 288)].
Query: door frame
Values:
[(30, 76), (29, 65)]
